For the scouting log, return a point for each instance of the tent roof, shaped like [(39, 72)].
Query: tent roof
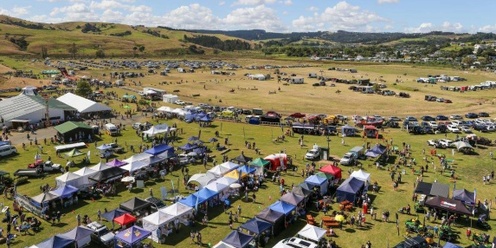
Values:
[(116, 163), (158, 218), (361, 175), (245, 170), (85, 171), (226, 180), (229, 165), (242, 159), (68, 176), (451, 245), (177, 209), (447, 204), (439, 189), (270, 215), (99, 167), (464, 196), (21, 105), (256, 226), (57, 241), (205, 193), (65, 191), (73, 153), (260, 162), (223, 245), (376, 151), (233, 174), (423, 188), (125, 219), (351, 185), (219, 170), (238, 239), (461, 145), (77, 233), (134, 204), (202, 179), (312, 232), (301, 191), (315, 180), (133, 235), (160, 149), (215, 186), (44, 197), (81, 104), (192, 200), (157, 129), (70, 126), (292, 198), (111, 215), (331, 169), (282, 207), (108, 174)]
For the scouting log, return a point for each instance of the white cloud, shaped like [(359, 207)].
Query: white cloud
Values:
[(427, 27), (287, 2), (388, 1), (487, 29), (342, 16), (313, 9), (19, 11), (193, 16), (222, 3), (253, 2), (259, 17)]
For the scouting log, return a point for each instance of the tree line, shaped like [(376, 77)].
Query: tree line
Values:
[(216, 43)]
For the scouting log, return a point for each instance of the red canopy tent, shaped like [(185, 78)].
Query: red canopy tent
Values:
[(333, 170), (125, 219)]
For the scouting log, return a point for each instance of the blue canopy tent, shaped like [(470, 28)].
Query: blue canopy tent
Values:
[(451, 245), (192, 201), (56, 241), (246, 170), (316, 181), (205, 194), (200, 150), (111, 215), (273, 217), (256, 226), (205, 119), (131, 236), (65, 192), (282, 207), (376, 151), (349, 189), (464, 196), (158, 149), (80, 234), (238, 239)]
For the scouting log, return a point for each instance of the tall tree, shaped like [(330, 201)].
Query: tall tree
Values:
[(83, 89), (44, 52)]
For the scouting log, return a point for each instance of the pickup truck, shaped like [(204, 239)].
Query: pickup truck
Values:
[(349, 158), (101, 236), (47, 166), (446, 143), (313, 153)]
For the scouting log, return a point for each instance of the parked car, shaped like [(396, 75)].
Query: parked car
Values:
[(456, 117), (453, 128), (483, 114), (410, 118), (349, 158), (445, 143), (471, 115), (466, 129), (313, 153), (101, 236), (442, 118), (427, 118), (295, 243)]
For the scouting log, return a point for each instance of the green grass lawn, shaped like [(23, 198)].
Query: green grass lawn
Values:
[(468, 168)]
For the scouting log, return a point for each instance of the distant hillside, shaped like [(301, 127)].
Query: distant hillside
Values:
[(21, 37)]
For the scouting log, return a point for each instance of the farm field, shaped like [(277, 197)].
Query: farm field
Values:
[(305, 98)]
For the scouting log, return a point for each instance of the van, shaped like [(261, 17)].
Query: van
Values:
[(7, 150), (111, 129), (359, 151), (257, 111)]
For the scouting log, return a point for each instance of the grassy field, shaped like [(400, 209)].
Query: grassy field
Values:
[(293, 98)]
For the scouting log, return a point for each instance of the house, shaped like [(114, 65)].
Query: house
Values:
[(297, 80)]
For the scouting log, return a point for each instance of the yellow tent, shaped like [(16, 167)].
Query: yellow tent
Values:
[(331, 119), (233, 174)]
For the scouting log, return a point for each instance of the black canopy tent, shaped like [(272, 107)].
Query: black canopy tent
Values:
[(464, 196), (109, 174), (446, 204), (432, 189), (273, 217), (134, 205), (423, 188)]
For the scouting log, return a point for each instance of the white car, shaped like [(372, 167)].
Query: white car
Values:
[(455, 123), (445, 143), (456, 117), (453, 128), (313, 154), (348, 159), (466, 129), (433, 124), (179, 102), (295, 243)]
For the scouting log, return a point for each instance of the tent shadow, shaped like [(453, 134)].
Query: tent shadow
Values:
[(350, 230)]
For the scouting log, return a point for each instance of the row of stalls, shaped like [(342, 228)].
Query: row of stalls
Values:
[(272, 220)]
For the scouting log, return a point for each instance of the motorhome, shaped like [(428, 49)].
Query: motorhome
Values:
[(111, 129)]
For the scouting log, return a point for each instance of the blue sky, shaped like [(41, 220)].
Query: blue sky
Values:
[(271, 15)]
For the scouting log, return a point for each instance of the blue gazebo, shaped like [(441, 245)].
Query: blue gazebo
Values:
[(131, 237)]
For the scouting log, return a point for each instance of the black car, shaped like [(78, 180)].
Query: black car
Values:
[(471, 115), (442, 118), (483, 114), (427, 118)]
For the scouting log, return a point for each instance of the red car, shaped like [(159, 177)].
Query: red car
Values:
[(36, 163)]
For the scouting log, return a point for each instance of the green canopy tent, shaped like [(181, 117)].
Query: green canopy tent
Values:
[(324, 175), (73, 153), (260, 164)]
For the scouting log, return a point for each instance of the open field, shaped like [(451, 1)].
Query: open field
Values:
[(293, 98)]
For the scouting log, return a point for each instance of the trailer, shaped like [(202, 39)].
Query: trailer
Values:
[(29, 173)]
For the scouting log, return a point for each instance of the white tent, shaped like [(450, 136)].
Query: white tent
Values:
[(177, 209), (217, 187), (178, 111), (164, 109), (81, 104), (70, 178), (223, 245), (226, 180), (362, 176), (312, 232), (153, 221), (229, 165), (99, 167), (170, 98), (219, 170), (137, 162), (85, 173), (203, 179), (158, 129)]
